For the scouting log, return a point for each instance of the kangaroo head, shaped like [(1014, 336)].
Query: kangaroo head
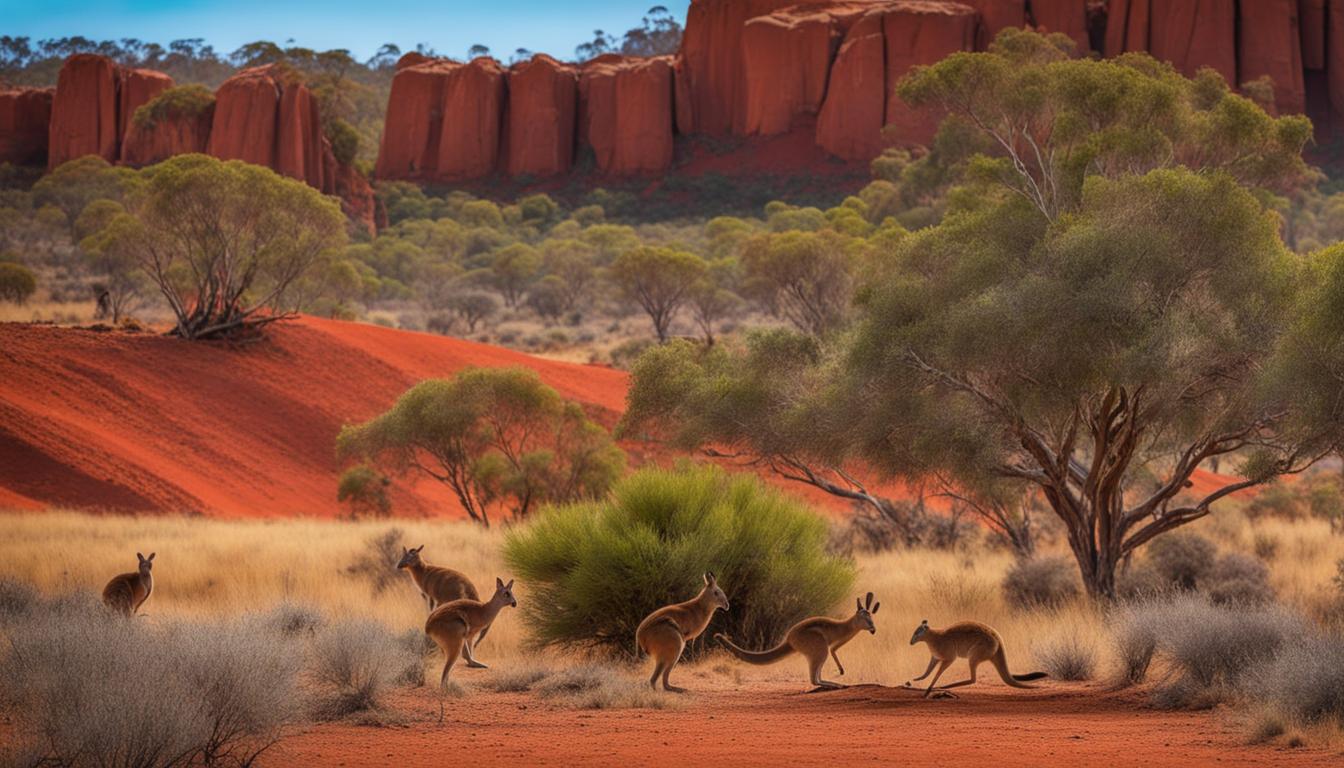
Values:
[(919, 632), (863, 613), (410, 558), (504, 592), (715, 594), (146, 563)]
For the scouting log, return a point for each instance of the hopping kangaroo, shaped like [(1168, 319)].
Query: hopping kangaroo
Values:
[(440, 585), (452, 625), (970, 639), (127, 592), (814, 639), (664, 633)]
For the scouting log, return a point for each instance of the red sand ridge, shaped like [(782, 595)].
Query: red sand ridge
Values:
[(150, 423)]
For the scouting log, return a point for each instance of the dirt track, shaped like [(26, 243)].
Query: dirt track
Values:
[(773, 724)]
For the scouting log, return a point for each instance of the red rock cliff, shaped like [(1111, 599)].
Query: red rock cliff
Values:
[(626, 113), (25, 115), (444, 120), (542, 117), (84, 110)]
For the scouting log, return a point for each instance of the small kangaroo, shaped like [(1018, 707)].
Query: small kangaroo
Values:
[(814, 638), (127, 592), (452, 625), (440, 585), (664, 633), (970, 639)]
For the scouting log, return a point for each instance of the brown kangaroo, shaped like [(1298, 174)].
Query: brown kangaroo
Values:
[(970, 639), (814, 638), (440, 585), (127, 592), (452, 625), (664, 633)]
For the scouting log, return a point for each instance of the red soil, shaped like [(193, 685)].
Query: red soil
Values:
[(148, 423), (142, 422), (771, 724)]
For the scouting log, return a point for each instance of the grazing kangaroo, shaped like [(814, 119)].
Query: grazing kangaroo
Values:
[(452, 625), (440, 585), (664, 633), (970, 639), (127, 592), (814, 638)]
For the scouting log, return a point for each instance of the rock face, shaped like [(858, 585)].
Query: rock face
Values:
[(443, 121), (542, 117), (786, 60), (149, 143), (84, 110), (1068, 17), (995, 16), (1311, 18), (1188, 33), (626, 113), (918, 32), (245, 117), (136, 88), (25, 114), (851, 119), (1270, 44)]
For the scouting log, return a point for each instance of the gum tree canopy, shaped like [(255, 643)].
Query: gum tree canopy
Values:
[(231, 246), (1106, 306)]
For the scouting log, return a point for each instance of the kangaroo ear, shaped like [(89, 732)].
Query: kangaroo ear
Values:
[(924, 623), (417, 549), (509, 585), (151, 556), (709, 577), (499, 583), (875, 607), (868, 600), (858, 606)]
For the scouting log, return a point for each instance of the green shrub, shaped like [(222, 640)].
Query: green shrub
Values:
[(596, 569), (178, 102), (1181, 558), (344, 140), (1238, 579), (17, 282), (1046, 582)]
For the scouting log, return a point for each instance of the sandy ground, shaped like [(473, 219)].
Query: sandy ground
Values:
[(773, 723)]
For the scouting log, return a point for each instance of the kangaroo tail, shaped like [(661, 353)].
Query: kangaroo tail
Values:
[(755, 657), (1000, 662)]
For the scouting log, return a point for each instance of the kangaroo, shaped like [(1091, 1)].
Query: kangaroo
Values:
[(127, 592), (970, 639), (440, 585), (814, 638), (664, 633), (452, 625)]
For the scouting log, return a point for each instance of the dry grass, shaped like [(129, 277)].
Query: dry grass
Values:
[(298, 569)]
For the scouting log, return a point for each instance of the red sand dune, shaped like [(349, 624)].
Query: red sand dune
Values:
[(142, 422)]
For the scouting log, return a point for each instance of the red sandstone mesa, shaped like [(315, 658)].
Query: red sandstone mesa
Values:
[(414, 119), (626, 113), (160, 139), (1067, 17), (920, 32), (1188, 33), (25, 114), (245, 117), (84, 110), (850, 124), (473, 106), (995, 16), (136, 88), (542, 117), (1270, 43), (786, 63)]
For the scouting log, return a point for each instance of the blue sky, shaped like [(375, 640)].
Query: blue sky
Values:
[(449, 26)]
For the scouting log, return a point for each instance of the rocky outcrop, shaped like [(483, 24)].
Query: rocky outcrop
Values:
[(542, 117), (1311, 19), (995, 16), (1188, 33), (1270, 44), (626, 113), (136, 88), (851, 119), (443, 121), (786, 59), (1068, 17), (84, 110), (148, 141), (921, 32), (25, 115), (245, 117)]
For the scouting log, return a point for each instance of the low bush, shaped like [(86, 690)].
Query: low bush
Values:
[(1182, 558), (1046, 582), (517, 679), (596, 569), (377, 564), (354, 662), (1067, 658), (1239, 579), (91, 688), (1305, 681), (17, 598), (593, 686)]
